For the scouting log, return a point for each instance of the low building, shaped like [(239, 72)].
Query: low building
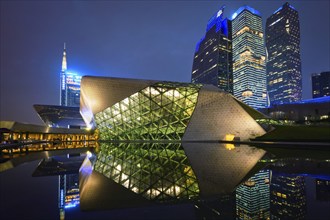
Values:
[(60, 116), (11, 131), (317, 109)]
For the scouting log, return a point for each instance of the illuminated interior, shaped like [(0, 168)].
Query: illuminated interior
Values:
[(158, 112), (155, 171)]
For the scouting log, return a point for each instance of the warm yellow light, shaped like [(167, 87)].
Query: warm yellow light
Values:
[(229, 137), (229, 146), (89, 154), (247, 93)]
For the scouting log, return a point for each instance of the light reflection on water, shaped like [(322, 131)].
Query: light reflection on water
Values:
[(220, 182)]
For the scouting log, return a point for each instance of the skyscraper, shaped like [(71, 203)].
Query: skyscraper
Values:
[(321, 84), (284, 80), (70, 85), (213, 55), (249, 67)]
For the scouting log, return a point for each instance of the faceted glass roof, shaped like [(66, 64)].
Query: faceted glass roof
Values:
[(158, 112)]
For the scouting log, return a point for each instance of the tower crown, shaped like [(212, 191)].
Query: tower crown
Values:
[(64, 63)]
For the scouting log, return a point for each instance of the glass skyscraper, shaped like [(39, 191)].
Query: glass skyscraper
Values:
[(213, 56), (70, 85), (249, 57), (284, 80)]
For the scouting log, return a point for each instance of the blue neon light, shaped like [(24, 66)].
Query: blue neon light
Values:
[(245, 7), (292, 7), (198, 44), (280, 8), (320, 100), (216, 19), (72, 205), (224, 27), (316, 100)]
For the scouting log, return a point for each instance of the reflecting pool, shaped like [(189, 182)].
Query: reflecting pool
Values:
[(167, 181)]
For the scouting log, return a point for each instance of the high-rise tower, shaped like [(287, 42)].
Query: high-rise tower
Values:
[(284, 81), (63, 79), (249, 56), (70, 85), (213, 56)]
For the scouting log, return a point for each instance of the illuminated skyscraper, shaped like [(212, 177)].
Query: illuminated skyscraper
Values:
[(70, 85), (249, 56), (321, 84), (213, 56), (252, 197), (284, 80)]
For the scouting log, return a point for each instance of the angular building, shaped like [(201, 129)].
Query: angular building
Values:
[(131, 174), (249, 56), (284, 79), (70, 85), (213, 55), (60, 116), (130, 109), (321, 84)]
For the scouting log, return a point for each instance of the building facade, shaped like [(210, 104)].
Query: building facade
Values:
[(213, 55), (284, 79), (249, 57), (70, 85), (60, 116), (130, 109), (311, 110), (321, 84)]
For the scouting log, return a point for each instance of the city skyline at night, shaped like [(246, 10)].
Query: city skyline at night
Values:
[(123, 39)]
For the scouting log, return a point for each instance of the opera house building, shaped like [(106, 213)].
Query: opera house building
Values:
[(134, 109)]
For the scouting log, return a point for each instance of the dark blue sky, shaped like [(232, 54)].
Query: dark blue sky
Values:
[(131, 39)]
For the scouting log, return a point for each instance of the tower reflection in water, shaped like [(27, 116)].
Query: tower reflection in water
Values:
[(68, 191)]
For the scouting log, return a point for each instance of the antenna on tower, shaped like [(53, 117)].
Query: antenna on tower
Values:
[(64, 45)]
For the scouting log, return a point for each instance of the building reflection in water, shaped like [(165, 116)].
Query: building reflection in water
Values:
[(166, 172), (234, 182), (252, 197), (322, 189), (155, 171), (68, 190), (288, 196)]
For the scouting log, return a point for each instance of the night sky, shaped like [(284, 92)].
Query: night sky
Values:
[(129, 39)]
